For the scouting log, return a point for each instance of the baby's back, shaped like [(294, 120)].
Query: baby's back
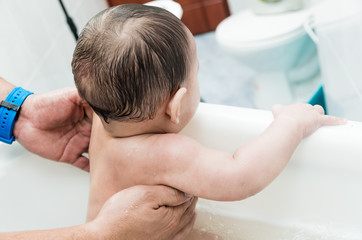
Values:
[(118, 163)]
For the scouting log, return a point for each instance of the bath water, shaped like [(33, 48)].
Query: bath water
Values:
[(230, 227)]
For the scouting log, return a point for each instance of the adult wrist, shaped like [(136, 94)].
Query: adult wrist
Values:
[(98, 230), (9, 110)]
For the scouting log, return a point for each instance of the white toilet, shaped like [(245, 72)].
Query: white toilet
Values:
[(169, 5), (278, 49)]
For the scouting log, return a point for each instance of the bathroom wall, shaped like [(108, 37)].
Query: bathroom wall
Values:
[(36, 44)]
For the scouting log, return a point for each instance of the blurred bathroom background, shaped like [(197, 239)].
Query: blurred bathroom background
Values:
[(36, 48)]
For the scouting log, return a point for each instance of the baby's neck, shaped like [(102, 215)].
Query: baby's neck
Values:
[(119, 129), (129, 129)]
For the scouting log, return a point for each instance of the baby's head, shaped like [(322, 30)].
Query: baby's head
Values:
[(133, 60)]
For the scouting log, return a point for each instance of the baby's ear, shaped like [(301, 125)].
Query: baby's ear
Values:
[(175, 104)]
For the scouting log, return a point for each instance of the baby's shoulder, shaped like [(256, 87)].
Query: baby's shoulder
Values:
[(172, 143)]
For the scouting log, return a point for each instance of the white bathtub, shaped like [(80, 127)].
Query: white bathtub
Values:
[(317, 196)]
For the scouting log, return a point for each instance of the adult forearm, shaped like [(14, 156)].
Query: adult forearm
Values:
[(71, 233)]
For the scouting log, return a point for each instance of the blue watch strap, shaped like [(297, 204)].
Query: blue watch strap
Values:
[(8, 111)]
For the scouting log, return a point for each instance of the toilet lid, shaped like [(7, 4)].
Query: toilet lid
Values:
[(247, 28)]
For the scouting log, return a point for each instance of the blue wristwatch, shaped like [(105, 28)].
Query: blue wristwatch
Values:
[(8, 112)]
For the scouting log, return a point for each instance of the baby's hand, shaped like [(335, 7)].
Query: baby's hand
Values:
[(308, 117)]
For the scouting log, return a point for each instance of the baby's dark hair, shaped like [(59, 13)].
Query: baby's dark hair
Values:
[(129, 59)]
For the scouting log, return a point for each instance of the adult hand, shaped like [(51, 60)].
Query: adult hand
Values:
[(140, 212), (55, 126), (146, 212)]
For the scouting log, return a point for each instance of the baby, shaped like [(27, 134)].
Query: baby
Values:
[(137, 68)]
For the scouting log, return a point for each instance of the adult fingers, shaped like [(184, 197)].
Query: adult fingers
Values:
[(189, 212), (83, 163), (179, 209), (187, 220), (170, 197), (185, 231), (184, 218)]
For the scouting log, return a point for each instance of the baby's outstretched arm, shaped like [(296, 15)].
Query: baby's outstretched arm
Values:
[(269, 153), (308, 117), (217, 175)]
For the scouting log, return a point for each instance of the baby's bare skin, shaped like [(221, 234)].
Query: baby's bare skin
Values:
[(151, 152), (180, 162)]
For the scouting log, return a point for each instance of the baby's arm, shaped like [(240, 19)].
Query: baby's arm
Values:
[(218, 175)]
